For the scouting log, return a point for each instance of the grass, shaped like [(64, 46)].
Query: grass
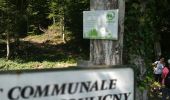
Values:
[(19, 65)]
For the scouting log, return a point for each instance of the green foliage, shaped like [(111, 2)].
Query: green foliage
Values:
[(93, 33), (140, 30), (57, 10), (74, 16), (144, 22), (18, 64), (155, 90), (139, 36)]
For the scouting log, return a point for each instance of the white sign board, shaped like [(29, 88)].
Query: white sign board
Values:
[(100, 24), (93, 84)]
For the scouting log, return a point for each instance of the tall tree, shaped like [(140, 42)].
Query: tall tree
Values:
[(37, 12), (11, 15), (108, 52), (57, 14), (8, 22)]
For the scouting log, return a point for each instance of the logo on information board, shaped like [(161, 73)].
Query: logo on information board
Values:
[(110, 16)]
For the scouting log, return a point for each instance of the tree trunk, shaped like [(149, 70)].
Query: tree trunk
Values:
[(63, 30), (108, 52), (8, 46), (53, 20), (157, 48)]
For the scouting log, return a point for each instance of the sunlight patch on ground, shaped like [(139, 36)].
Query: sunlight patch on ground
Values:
[(44, 38)]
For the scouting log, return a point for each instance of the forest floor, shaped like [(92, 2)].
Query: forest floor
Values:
[(39, 52)]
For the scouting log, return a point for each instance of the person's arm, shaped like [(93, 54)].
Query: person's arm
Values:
[(155, 63)]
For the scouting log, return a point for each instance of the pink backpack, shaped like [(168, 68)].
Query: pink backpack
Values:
[(165, 72)]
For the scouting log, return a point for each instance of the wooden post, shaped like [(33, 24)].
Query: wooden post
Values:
[(108, 52)]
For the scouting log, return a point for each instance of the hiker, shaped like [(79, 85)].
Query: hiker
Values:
[(166, 81), (158, 67)]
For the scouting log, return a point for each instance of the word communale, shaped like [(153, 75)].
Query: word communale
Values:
[(70, 88)]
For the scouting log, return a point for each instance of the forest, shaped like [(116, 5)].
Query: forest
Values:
[(49, 34), (30, 27)]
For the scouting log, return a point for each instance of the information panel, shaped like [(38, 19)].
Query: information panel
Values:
[(84, 84), (100, 24)]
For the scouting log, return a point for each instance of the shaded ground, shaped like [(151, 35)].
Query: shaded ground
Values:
[(43, 52)]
